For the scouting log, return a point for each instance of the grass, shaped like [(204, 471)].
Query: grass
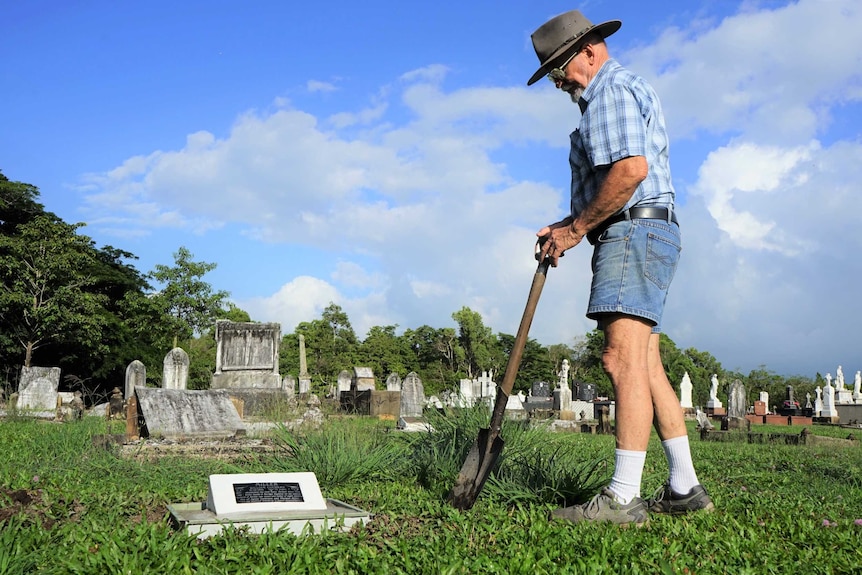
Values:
[(68, 505)]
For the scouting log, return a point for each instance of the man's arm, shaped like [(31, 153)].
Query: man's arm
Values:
[(621, 181)]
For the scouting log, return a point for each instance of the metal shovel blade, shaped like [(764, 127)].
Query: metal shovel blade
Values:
[(484, 453)]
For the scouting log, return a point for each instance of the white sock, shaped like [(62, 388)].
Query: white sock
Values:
[(682, 474), (628, 470)]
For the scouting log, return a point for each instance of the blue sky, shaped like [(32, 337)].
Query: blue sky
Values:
[(389, 157)]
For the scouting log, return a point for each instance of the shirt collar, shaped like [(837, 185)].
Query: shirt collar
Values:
[(596, 84)]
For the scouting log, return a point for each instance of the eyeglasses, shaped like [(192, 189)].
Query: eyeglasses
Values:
[(559, 74)]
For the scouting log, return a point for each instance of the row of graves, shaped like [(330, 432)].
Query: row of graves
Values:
[(831, 405), (246, 384)]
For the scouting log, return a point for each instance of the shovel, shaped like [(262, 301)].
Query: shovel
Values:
[(485, 452)]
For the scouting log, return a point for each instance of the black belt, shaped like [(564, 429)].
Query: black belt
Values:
[(643, 213)]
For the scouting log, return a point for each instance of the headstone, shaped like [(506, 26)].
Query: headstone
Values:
[(246, 355), (540, 396), (393, 382), (857, 387), (467, 392), (412, 396), (713, 401), (839, 379), (818, 401), (586, 391), (685, 388), (265, 503), (540, 390), (304, 385), (808, 401), (175, 373), (764, 397), (181, 413), (136, 375), (37, 391), (344, 380), (363, 379), (736, 401), (829, 410), (240, 493), (288, 384)]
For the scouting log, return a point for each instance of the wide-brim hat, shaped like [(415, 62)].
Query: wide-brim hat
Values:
[(559, 37)]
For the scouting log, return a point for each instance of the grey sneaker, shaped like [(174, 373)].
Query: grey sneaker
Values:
[(603, 507), (666, 501)]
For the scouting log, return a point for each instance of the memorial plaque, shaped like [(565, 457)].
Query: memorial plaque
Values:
[(265, 492), (244, 494)]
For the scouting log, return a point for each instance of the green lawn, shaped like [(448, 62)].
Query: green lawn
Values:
[(68, 505)]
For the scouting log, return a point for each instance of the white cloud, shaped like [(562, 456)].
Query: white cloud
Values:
[(314, 86), (769, 73)]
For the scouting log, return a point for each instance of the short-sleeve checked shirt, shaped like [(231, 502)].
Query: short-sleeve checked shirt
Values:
[(621, 117)]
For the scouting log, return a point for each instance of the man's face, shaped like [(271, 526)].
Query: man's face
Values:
[(573, 78)]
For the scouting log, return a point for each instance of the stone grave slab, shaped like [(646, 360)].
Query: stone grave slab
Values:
[(177, 413), (37, 391), (265, 502)]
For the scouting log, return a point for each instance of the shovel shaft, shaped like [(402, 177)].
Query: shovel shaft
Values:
[(517, 353)]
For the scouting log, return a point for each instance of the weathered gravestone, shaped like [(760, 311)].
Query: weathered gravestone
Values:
[(37, 391), (175, 370), (393, 382), (181, 413), (288, 384), (344, 381), (736, 405), (136, 376), (246, 355), (412, 396), (363, 379)]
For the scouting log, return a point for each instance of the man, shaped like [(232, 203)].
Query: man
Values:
[(622, 201)]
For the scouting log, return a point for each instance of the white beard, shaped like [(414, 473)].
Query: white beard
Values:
[(575, 94)]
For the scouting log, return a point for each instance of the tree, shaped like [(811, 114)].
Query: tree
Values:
[(189, 300), (45, 296), (587, 365), (433, 352), (535, 363), (385, 352), (475, 343), (18, 204), (330, 343)]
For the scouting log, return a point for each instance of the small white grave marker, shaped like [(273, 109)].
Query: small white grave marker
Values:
[(265, 502), (264, 492)]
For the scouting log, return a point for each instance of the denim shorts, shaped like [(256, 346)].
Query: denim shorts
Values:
[(633, 264)]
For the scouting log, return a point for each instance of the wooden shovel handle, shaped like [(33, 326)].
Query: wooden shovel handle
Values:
[(514, 362)]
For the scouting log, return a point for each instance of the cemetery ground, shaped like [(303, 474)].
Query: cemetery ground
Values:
[(71, 502)]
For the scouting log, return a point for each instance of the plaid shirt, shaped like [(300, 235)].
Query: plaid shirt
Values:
[(621, 117)]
